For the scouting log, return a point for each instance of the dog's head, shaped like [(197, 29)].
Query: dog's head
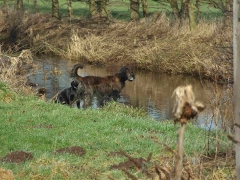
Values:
[(42, 93), (74, 85), (127, 73)]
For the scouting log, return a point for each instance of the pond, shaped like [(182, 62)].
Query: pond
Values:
[(149, 91)]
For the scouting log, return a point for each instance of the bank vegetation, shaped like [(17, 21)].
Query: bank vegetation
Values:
[(156, 43)]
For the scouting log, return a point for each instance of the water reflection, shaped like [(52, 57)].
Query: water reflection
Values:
[(151, 91)]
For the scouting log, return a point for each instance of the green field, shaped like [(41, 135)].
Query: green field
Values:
[(39, 127)]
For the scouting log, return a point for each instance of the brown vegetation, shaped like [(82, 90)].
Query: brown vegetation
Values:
[(198, 168), (6, 174), (12, 66), (154, 43), (186, 107), (15, 69)]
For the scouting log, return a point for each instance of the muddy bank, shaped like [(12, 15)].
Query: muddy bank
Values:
[(154, 44)]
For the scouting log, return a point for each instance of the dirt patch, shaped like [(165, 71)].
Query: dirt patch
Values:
[(77, 150), (17, 157)]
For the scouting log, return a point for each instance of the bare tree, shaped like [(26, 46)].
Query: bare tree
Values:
[(184, 11), (134, 10), (92, 8), (98, 8), (144, 8), (176, 11), (192, 15), (20, 5), (69, 3), (5, 3), (224, 6), (55, 9), (102, 8), (35, 5)]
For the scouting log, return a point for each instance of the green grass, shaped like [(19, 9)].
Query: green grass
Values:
[(24, 122)]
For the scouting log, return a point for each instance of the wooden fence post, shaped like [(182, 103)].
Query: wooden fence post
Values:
[(236, 64)]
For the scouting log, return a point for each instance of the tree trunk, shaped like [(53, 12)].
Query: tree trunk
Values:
[(228, 13), (134, 10), (192, 16), (104, 11), (102, 7), (69, 8), (92, 8), (198, 10), (35, 6), (20, 5), (5, 4), (184, 9), (55, 9), (145, 8), (175, 8), (236, 65)]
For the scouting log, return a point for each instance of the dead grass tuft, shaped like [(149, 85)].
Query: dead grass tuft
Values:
[(186, 107), (197, 167), (14, 71), (6, 174)]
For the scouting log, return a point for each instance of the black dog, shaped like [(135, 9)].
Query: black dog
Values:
[(68, 95)]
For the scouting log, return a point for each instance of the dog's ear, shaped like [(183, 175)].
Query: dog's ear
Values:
[(74, 84), (123, 69)]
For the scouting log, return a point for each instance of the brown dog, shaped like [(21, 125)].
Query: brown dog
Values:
[(102, 86)]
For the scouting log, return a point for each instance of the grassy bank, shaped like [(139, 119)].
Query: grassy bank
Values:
[(41, 128)]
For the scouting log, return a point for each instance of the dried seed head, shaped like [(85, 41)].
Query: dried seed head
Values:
[(186, 107)]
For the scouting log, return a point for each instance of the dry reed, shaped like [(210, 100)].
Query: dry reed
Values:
[(154, 43), (14, 71)]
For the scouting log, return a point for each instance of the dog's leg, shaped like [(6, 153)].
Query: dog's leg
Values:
[(87, 100), (78, 104)]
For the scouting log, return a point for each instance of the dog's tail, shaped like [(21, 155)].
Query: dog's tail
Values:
[(75, 69)]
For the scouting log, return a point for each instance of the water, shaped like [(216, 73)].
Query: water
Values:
[(150, 91)]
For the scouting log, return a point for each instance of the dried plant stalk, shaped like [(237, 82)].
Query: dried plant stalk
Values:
[(186, 107), (179, 153)]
